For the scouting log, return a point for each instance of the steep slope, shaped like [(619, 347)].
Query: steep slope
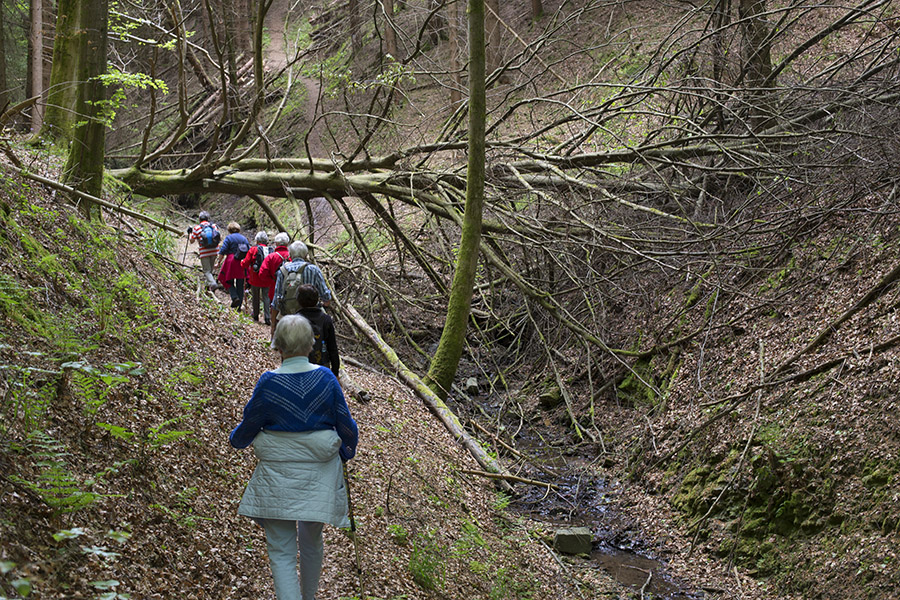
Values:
[(119, 389)]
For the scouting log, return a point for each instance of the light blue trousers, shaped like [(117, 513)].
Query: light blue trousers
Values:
[(286, 542)]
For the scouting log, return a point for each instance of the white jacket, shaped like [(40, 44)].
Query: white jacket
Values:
[(299, 477)]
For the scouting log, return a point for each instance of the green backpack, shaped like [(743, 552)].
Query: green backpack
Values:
[(291, 286)]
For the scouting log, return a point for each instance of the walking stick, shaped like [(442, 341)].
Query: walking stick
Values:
[(186, 244), (359, 573)]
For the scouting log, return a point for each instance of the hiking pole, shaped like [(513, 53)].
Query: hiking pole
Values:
[(186, 244), (359, 573)]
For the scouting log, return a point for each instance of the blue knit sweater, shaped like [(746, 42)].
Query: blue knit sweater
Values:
[(297, 397)]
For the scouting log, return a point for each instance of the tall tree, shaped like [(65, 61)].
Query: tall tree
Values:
[(84, 167), (757, 57), (390, 36), (36, 60), (493, 53), (455, 53), (450, 347), (4, 86), (355, 41), (59, 116)]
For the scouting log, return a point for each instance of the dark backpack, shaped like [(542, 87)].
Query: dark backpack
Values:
[(242, 249), (291, 287), (319, 354), (261, 253), (209, 236)]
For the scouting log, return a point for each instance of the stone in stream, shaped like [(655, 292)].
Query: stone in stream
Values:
[(573, 540)]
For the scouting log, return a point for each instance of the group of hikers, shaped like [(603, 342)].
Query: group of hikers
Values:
[(297, 418), (281, 280)]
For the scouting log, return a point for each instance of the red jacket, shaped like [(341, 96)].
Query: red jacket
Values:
[(270, 266), (256, 279)]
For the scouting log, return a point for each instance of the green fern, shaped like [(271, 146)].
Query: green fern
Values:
[(92, 385), (55, 485)]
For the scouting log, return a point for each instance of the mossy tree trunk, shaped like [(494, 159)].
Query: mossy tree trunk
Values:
[(446, 359), (59, 115), (84, 167)]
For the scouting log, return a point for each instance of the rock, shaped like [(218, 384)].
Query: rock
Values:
[(472, 386), (550, 398), (573, 540)]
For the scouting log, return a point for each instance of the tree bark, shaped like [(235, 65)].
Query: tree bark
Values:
[(537, 10), (60, 117), (757, 57), (84, 167), (455, 53), (355, 41), (4, 88), (390, 36), (446, 359), (36, 56), (492, 52)]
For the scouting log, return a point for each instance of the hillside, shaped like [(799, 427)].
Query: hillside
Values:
[(120, 387)]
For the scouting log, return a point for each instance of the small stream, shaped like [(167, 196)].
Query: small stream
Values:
[(585, 499)]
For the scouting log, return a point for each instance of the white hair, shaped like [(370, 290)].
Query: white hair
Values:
[(298, 250), (293, 336), (282, 239), (262, 237)]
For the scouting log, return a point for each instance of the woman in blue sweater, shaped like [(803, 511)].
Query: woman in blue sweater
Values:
[(301, 431)]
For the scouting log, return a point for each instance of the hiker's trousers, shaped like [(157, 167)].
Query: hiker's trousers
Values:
[(207, 263), (259, 295), (286, 542)]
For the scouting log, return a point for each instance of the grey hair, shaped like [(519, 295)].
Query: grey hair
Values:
[(293, 336), (262, 237), (203, 216), (282, 239), (298, 250)]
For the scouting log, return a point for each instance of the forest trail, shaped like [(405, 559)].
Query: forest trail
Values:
[(276, 56)]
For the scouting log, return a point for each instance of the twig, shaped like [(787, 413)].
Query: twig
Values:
[(512, 478), (646, 583), (511, 449)]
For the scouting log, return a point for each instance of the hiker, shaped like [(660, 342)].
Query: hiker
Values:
[(325, 350), (301, 429), (233, 250), (306, 273), (273, 261), (259, 287), (207, 236)]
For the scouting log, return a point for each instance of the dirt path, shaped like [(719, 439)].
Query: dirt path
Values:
[(324, 219), (276, 56)]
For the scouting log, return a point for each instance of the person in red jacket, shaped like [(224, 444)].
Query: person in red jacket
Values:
[(259, 287), (272, 263)]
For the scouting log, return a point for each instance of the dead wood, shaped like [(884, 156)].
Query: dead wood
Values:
[(512, 478), (437, 407)]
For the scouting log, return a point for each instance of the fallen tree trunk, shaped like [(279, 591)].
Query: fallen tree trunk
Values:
[(105, 204), (434, 404)]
